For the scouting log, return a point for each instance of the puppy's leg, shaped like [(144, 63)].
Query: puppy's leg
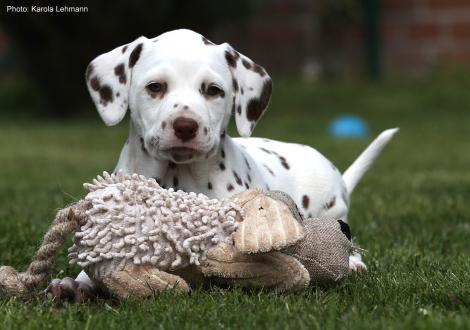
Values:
[(69, 290), (356, 264), (355, 260)]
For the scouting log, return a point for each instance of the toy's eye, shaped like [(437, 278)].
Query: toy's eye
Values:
[(214, 90), (156, 87)]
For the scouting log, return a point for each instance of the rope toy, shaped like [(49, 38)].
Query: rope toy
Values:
[(135, 238)]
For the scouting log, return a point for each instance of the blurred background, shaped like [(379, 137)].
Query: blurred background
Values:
[(43, 56)]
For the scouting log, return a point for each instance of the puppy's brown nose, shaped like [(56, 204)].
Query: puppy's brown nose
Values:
[(185, 128)]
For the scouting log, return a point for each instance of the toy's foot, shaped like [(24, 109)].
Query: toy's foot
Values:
[(142, 282), (274, 270), (68, 290), (356, 264)]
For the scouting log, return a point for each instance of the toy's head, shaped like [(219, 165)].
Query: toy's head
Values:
[(325, 250)]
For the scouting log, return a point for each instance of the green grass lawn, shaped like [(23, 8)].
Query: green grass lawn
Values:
[(411, 213)]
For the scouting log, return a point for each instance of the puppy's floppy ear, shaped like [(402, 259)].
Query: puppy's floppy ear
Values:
[(108, 80), (252, 89)]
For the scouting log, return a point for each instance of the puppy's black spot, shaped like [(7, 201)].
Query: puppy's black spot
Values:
[(120, 72), (231, 59), (269, 170), (345, 229), (229, 187), (222, 166), (247, 186), (95, 83), (284, 162), (266, 150), (124, 49), (222, 152), (237, 178), (106, 94), (235, 84), (249, 178), (175, 181), (239, 109), (105, 91), (142, 144), (236, 55), (254, 110), (163, 124), (206, 130), (135, 55), (331, 203), (305, 201), (246, 64), (209, 185), (256, 107), (247, 164), (259, 70)]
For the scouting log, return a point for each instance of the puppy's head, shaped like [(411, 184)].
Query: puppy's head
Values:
[(181, 90)]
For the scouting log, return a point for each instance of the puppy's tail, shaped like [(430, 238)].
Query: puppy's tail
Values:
[(361, 165)]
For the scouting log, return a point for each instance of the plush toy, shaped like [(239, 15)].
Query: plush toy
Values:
[(135, 238)]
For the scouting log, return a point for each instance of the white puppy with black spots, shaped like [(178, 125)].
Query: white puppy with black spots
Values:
[(181, 90)]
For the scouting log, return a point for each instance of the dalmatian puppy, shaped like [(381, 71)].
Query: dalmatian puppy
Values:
[(181, 90)]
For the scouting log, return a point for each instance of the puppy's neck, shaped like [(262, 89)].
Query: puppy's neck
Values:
[(196, 176)]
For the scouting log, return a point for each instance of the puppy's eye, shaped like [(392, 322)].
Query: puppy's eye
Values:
[(214, 90), (156, 87)]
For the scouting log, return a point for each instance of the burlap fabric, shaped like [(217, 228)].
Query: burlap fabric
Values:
[(324, 251)]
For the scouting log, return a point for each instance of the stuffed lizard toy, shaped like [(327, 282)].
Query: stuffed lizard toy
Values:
[(135, 238)]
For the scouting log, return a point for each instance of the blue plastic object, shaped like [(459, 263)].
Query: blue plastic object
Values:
[(348, 127)]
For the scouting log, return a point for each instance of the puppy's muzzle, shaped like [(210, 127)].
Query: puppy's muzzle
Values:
[(185, 128)]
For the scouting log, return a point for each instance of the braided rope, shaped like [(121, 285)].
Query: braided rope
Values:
[(67, 221)]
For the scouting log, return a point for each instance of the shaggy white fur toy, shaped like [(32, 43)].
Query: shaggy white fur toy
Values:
[(132, 220)]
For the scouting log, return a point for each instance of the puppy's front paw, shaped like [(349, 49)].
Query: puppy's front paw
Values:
[(356, 264), (68, 290)]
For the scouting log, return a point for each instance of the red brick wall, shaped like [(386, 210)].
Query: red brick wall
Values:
[(421, 35), (417, 37)]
